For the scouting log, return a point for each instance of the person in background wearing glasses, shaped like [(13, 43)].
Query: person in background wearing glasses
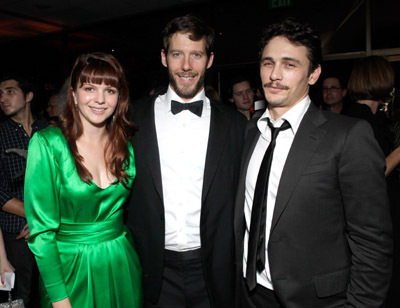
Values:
[(241, 93), (333, 93)]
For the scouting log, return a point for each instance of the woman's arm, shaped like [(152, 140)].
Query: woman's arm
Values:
[(5, 265), (64, 303), (42, 208), (392, 160)]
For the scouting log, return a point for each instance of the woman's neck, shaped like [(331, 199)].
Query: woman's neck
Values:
[(94, 135), (373, 105)]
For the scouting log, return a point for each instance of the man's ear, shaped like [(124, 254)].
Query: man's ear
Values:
[(29, 97), (313, 78), (231, 100), (210, 60), (164, 58)]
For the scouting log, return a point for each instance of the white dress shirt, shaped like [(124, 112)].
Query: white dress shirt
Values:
[(283, 144), (182, 143)]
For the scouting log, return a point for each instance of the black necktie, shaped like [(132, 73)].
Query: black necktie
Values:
[(195, 107), (256, 245)]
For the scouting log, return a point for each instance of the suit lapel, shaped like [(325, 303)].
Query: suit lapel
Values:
[(220, 124), (150, 144), (252, 135), (306, 141)]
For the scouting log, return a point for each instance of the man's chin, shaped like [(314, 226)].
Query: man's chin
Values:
[(187, 92), (276, 102)]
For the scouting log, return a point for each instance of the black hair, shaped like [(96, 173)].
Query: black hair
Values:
[(297, 33), (237, 79), (25, 83)]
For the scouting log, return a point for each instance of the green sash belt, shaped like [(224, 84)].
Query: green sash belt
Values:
[(90, 233)]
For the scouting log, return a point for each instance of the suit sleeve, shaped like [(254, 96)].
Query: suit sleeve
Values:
[(43, 214), (367, 215)]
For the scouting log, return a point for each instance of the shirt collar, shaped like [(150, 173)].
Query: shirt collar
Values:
[(294, 116)]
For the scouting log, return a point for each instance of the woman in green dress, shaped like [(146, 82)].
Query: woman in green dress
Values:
[(77, 179)]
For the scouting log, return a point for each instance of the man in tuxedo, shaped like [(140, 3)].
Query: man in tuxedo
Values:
[(313, 230), (187, 153)]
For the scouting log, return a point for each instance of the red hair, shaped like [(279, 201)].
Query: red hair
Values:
[(98, 68)]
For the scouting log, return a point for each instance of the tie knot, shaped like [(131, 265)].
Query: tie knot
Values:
[(194, 107), (275, 130)]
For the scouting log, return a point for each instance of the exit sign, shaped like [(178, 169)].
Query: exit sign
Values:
[(273, 4)]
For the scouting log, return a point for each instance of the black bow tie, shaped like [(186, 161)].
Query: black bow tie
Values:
[(195, 107)]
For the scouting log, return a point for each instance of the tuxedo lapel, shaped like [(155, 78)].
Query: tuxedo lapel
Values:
[(252, 136), (251, 139), (306, 141), (220, 124), (148, 127)]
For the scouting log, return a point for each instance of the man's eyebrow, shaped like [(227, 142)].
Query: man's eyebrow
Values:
[(291, 59), (193, 51), (283, 58), (266, 58)]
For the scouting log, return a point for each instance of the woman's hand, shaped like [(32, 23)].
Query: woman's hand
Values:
[(5, 266)]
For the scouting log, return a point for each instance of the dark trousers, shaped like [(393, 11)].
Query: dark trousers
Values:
[(260, 297), (183, 284), (22, 259)]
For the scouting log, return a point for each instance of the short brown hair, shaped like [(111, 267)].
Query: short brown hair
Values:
[(192, 25), (372, 78)]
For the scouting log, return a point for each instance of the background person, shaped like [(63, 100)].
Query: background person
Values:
[(371, 88), (241, 93), (333, 93), (17, 94)]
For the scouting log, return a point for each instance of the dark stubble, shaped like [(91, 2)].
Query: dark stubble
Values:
[(186, 93)]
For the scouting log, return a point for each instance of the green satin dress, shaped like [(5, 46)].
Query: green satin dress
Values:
[(82, 248)]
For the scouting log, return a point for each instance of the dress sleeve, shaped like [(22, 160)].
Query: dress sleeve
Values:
[(42, 210)]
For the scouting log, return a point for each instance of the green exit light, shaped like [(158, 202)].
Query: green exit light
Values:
[(273, 4)]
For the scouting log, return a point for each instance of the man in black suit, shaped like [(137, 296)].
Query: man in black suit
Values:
[(187, 152), (323, 238)]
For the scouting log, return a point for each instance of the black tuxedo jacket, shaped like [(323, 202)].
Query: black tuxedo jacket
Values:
[(146, 208), (330, 242)]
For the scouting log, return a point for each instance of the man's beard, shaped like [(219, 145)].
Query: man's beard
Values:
[(187, 93)]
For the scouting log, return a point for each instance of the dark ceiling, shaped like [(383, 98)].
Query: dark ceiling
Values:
[(43, 37)]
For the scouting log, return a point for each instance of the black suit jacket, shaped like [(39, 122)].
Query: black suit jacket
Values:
[(330, 242), (146, 209)]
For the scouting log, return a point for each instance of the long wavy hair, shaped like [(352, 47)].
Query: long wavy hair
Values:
[(98, 68)]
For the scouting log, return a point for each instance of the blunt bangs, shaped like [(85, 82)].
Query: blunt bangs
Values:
[(97, 72)]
